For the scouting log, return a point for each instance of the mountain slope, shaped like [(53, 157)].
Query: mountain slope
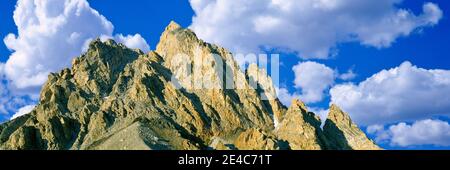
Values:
[(114, 97)]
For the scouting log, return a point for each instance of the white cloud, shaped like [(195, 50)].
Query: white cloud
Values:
[(9, 100), (423, 132), (50, 34), (313, 79), (3, 97), (404, 93), (373, 129), (309, 27), (349, 75), (23, 111), (2, 69), (7, 103), (381, 135), (131, 41), (428, 131), (285, 97), (322, 113)]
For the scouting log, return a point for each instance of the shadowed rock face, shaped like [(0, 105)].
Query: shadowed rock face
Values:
[(344, 134), (114, 97), (301, 129)]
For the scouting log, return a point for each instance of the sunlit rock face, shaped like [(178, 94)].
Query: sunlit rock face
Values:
[(343, 133), (301, 129), (176, 97)]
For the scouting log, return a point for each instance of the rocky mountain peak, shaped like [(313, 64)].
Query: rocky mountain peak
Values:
[(99, 68), (344, 133), (262, 82), (259, 77), (297, 104), (301, 129), (188, 94), (337, 115), (172, 26)]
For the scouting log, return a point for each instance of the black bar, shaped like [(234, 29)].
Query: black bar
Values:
[(170, 159)]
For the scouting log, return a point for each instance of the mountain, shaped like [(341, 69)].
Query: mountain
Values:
[(114, 97)]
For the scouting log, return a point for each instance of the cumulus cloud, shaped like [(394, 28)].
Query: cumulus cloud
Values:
[(285, 97), (404, 93), (313, 79), (131, 41), (23, 111), (422, 132), (311, 28), (9, 100), (50, 34)]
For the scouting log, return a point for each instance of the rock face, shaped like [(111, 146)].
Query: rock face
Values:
[(344, 134), (256, 139), (301, 129), (176, 97)]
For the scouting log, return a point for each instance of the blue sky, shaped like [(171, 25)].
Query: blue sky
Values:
[(426, 47)]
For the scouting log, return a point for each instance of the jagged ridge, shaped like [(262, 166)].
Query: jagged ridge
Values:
[(114, 97)]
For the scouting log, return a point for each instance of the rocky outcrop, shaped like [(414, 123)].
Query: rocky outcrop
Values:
[(259, 79), (344, 134), (301, 129), (256, 139), (114, 97), (216, 79)]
